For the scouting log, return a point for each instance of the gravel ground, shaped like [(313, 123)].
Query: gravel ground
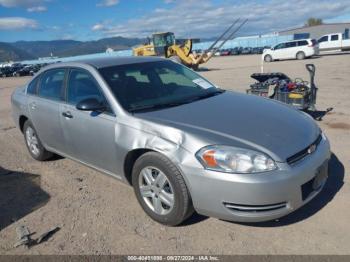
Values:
[(99, 215)]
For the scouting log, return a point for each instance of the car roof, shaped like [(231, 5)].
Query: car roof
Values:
[(304, 39), (102, 62)]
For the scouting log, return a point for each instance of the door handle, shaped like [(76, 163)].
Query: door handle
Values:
[(67, 114)]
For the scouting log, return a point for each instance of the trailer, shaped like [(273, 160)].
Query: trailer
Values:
[(298, 93)]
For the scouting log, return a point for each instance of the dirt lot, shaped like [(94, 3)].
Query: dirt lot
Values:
[(99, 215)]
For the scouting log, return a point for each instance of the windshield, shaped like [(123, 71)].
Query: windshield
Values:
[(163, 40), (154, 85)]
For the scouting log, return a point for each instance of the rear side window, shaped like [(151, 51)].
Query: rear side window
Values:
[(291, 44), (334, 38), (302, 43), (51, 84), (32, 87)]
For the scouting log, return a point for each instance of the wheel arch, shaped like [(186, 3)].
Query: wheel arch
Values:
[(130, 159), (134, 154), (22, 119), (266, 55)]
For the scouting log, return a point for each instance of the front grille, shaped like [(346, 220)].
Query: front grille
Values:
[(303, 153), (254, 208)]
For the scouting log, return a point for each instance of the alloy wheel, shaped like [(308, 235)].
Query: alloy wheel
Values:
[(32, 141), (156, 190)]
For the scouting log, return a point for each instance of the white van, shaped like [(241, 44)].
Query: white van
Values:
[(296, 49)]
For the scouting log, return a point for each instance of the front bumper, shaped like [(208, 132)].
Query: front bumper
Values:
[(259, 197)]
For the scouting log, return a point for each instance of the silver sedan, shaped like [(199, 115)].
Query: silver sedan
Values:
[(181, 142)]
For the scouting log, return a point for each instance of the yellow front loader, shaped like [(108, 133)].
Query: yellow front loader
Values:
[(164, 44)]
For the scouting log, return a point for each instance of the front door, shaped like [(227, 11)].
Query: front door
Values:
[(323, 42), (279, 51), (90, 135)]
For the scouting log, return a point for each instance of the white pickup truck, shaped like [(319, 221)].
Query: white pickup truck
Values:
[(334, 42)]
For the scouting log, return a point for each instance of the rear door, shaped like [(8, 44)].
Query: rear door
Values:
[(90, 135), (44, 101), (303, 46)]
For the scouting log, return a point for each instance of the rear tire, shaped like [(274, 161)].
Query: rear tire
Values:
[(268, 58), (33, 143), (300, 55), (161, 189)]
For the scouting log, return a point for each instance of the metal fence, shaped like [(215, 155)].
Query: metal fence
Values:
[(252, 41), (80, 57)]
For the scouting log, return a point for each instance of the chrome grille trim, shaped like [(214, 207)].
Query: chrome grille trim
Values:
[(303, 153)]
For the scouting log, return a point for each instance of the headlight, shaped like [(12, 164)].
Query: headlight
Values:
[(234, 160)]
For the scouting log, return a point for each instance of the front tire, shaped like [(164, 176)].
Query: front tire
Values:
[(268, 58), (161, 189), (33, 143)]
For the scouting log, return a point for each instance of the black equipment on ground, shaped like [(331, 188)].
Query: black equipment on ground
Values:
[(297, 93)]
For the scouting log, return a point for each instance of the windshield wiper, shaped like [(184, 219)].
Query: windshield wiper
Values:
[(175, 103), (155, 106), (206, 95)]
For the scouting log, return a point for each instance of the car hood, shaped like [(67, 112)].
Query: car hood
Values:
[(244, 121)]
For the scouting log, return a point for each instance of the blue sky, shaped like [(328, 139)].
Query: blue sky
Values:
[(94, 19)]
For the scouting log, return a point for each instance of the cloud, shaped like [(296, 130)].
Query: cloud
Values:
[(39, 8), (30, 5), (55, 27), (21, 3), (17, 23), (203, 18), (106, 3), (98, 27), (67, 37)]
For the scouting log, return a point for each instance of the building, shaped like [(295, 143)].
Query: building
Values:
[(318, 30)]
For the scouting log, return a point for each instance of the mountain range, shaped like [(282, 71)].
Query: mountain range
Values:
[(25, 50)]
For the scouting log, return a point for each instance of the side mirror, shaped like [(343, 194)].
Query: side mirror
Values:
[(90, 104)]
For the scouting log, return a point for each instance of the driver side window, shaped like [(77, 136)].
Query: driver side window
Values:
[(280, 46), (323, 39), (82, 85)]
